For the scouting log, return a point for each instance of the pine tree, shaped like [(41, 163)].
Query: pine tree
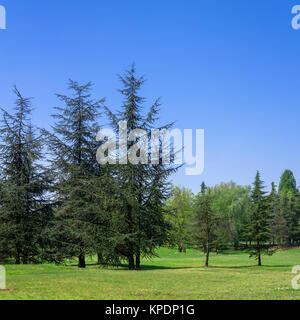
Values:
[(144, 188), (259, 223), (79, 215), (205, 221), (25, 210)]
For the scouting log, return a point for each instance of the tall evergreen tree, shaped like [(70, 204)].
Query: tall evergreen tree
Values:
[(205, 222), (25, 210), (79, 214), (144, 188), (259, 223)]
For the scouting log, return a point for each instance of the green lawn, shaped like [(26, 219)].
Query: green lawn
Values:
[(174, 275)]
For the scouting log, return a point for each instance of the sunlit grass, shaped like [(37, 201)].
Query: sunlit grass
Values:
[(173, 275)]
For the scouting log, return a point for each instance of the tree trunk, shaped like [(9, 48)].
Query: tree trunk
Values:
[(100, 259), (138, 262), (179, 249), (207, 255), (18, 258), (131, 262), (25, 259), (259, 258), (81, 261)]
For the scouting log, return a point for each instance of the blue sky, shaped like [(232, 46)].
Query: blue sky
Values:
[(230, 67)]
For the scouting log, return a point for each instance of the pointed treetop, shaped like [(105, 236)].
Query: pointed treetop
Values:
[(203, 187), (273, 190), (258, 192), (287, 183)]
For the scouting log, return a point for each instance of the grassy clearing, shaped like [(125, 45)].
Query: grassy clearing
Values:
[(232, 275)]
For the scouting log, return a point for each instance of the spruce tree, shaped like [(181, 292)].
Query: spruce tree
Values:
[(205, 222), (25, 208), (259, 228), (78, 215), (144, 188)]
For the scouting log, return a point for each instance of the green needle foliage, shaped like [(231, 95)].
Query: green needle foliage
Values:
[(25, 210), (259, 228), (79, 215), (205, 222), (79, 208), (143, 188)]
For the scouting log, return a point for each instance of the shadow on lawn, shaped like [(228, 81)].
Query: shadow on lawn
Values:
[(157, 267), (148, 268), (143, 267), (250, 266)]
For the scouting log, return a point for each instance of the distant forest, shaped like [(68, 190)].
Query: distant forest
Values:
[(236, 217)]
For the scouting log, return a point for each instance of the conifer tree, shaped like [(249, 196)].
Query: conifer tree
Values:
[(25, 210), (144, 187), (259, 223), (79, 215), (205, 221)]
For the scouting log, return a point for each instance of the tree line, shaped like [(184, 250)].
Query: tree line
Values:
[(57, 202), (237, 217)]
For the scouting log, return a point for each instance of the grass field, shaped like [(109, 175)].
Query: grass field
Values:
[(232, 275)]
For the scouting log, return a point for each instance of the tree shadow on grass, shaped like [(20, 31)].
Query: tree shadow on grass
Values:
[(250, 266), (157, 267), (149, 268), (143, 267)]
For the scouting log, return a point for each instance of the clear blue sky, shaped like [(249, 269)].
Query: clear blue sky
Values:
[(230, 67)]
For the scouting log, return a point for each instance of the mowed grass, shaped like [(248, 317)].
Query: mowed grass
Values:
[(173, 275)]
